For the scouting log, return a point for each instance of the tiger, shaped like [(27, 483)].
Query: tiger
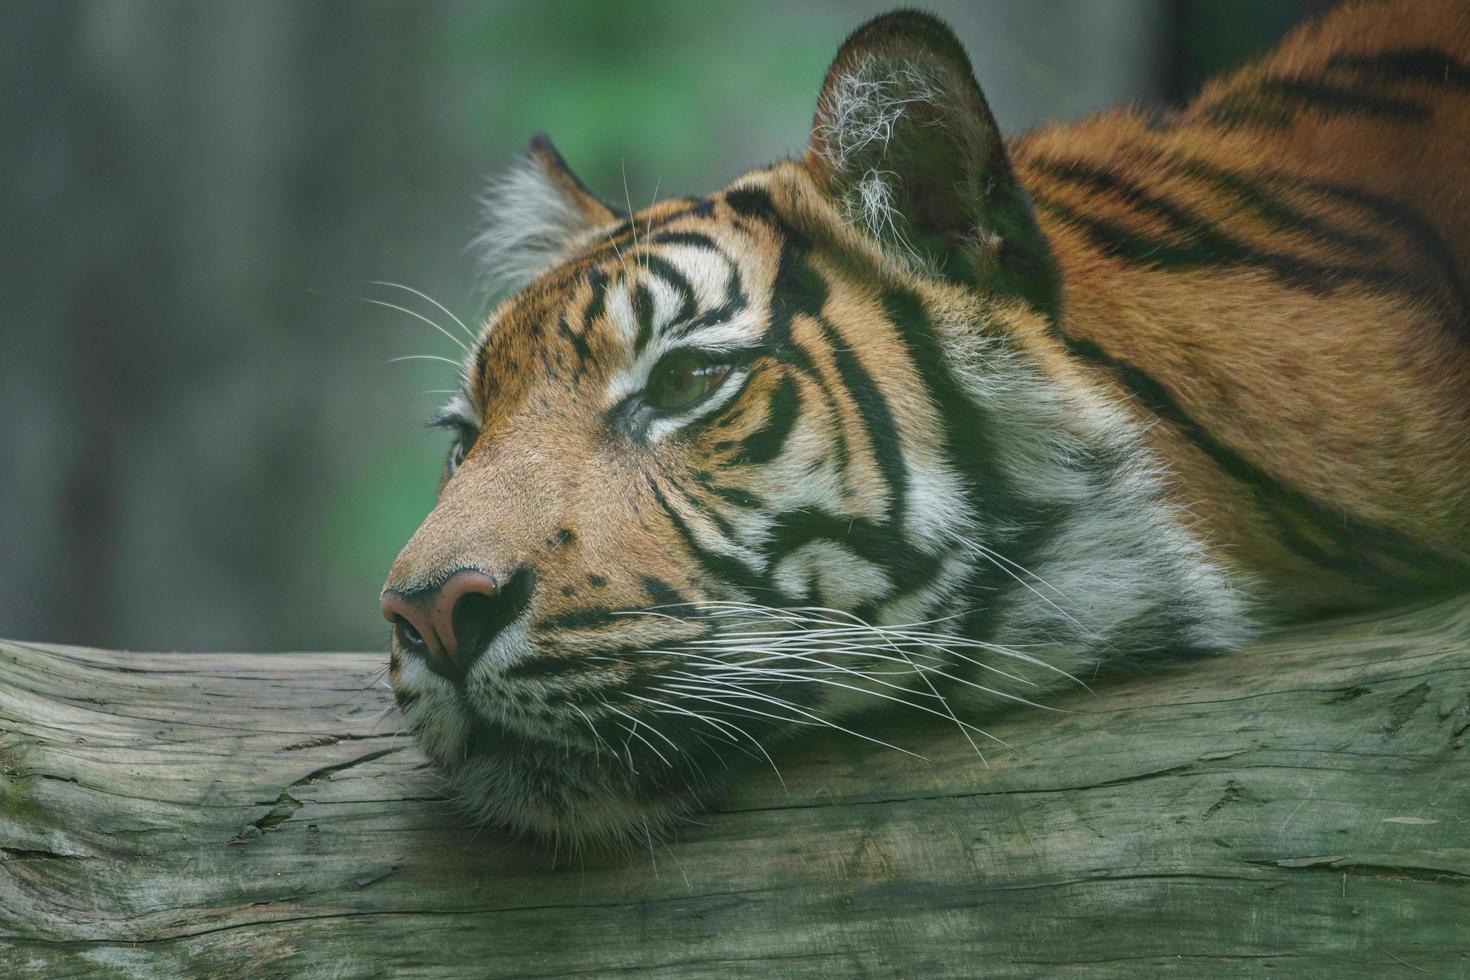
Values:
[(930, 422)]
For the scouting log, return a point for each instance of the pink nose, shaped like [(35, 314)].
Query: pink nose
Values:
[(451, 625)]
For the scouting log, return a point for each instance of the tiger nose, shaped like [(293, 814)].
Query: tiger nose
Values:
[(452, 625)]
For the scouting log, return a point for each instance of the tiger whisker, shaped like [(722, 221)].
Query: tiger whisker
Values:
[(424, 357), (937, 639), (797, 617), (633, 733), (897, 700), (985, 553), (398, 285), (916, 668), (417, 316), (815, 719), (942, 700), (632, 215), (986, 549), (753, 739), (726, 731), (597, 740), (636, 722)]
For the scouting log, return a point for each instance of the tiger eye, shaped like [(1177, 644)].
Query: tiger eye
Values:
[(684, 379)]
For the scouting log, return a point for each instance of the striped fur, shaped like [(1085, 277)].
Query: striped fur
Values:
[(995, 415)]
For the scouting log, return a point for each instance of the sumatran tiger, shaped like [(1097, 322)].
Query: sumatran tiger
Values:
[(927, 421)]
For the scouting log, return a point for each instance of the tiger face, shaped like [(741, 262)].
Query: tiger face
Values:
[(738, 466)]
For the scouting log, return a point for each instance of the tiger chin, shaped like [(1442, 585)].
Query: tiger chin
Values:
[(928, 422)]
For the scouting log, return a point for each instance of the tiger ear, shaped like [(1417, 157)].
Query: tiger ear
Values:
[(904, 142), (535, 213)]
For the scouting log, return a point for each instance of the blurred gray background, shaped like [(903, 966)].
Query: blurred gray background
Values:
[(202, 445)]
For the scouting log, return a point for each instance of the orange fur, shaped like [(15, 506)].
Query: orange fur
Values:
[(1359, 396)]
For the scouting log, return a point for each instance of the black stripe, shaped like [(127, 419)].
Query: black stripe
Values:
[(1250, 192), (628, 233), (970, 448), (643, 314), (691, 238), (1324, 536), (766, 443), (597, 280), (577, 619), (882, 545), (1425, 66), (713, 516), (720, 566), (883, 437), (579, 345), (734, 302), (1275, 102), (750, 202), (732, 495), (799, 289), (665, 271), (1202, 243), (545, 667), (660, 593), (1425, 238)]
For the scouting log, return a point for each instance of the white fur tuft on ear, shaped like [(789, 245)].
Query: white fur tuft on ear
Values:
[(536, 214), (864, 105), (905, 145)]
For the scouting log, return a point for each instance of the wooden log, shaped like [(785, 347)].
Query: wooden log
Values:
[(1301, 807)]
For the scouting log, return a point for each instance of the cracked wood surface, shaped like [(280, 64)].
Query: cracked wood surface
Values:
[(1301, 807)]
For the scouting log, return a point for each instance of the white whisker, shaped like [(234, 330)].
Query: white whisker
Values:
[(417, 316), (424, 357), (398, 285)]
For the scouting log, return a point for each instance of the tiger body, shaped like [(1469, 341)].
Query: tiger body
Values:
[(930, 421), (1279, 275)]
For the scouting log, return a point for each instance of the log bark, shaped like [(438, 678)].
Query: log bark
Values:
[(1301, 807)]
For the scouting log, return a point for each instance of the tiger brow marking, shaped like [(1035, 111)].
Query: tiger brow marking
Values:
[(643, 313), (663, 269), (734, 301)]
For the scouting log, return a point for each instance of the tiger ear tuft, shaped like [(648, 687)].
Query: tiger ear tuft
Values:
[(535, 214), (905, 143)]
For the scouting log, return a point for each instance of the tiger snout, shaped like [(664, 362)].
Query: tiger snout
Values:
[(450, 625)]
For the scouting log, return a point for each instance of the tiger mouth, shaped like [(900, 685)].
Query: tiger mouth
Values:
[(603, 784), (590, 758)]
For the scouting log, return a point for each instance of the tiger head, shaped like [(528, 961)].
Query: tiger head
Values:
[(736, 466)]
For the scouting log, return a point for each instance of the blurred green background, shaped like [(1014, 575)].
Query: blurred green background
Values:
[(202, 445)]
